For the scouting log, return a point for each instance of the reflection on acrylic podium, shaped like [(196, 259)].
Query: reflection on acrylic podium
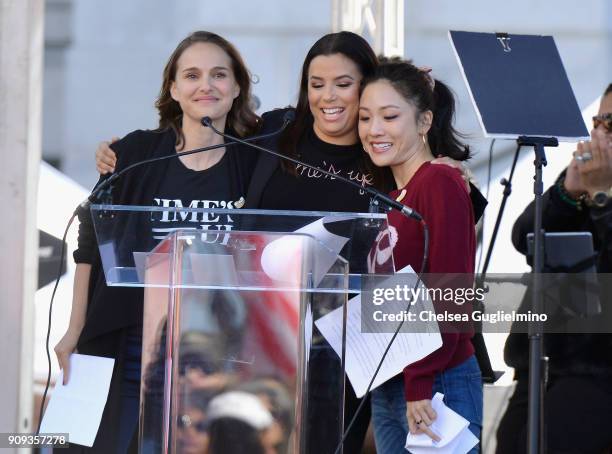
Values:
[(232, 361)]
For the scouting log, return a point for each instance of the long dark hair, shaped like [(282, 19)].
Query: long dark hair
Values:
[(241, 119), (346, 43), (415, 87)]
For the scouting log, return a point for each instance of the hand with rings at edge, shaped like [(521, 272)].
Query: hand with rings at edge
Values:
[(420, 415), (594, 163)]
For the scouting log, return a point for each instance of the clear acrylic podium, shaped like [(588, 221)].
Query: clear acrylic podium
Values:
[(232, 361)]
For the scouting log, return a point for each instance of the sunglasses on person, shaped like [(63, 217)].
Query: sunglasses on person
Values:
[(603, 119)]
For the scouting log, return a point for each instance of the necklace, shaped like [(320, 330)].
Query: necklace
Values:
[(401, 196)]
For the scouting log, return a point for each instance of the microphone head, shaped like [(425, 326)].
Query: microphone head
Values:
[(206, 121), (289, 116)]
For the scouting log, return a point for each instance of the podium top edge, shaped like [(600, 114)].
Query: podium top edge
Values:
[(240, 211)]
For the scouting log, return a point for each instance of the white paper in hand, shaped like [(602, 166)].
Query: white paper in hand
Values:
[(451, 427), (365, 350), (77, 408)]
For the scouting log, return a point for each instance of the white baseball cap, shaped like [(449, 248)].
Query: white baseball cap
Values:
[(242, 406)]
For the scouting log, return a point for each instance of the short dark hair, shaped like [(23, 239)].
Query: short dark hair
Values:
[(608, 90)]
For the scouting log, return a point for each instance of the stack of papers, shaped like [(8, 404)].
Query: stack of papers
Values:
[(451, 427)]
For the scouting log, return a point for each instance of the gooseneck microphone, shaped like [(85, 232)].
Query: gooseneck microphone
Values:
[(377, 196), (104, 185)]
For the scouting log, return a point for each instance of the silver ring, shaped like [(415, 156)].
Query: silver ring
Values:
[(584, 157)]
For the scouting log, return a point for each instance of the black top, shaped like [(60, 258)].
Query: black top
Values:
[(582, 354), (183, 187), (312, 190), (112, 308)]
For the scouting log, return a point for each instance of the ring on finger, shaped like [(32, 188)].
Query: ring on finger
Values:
[(420, 421), (586, 156)]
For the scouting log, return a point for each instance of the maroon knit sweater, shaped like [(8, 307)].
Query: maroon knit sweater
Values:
[(439, 194)]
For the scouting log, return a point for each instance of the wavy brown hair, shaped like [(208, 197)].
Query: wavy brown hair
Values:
[(241, 119)]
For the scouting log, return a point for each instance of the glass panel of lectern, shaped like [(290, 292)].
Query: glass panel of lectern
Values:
[(232, 361)]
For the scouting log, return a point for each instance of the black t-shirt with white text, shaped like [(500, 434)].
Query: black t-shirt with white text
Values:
[(185, 188)]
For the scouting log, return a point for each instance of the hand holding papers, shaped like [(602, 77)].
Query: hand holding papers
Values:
[(76, 408), (364, 350), (451, 427)]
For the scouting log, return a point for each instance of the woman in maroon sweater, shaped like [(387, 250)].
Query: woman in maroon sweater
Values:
[(397, 129)]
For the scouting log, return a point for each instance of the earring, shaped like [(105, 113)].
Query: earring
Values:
[(424, 137)]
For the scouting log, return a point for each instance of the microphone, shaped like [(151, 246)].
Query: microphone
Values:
[(98, 191), (376, 195)]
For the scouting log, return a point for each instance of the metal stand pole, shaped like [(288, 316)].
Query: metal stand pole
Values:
[(535, 436)]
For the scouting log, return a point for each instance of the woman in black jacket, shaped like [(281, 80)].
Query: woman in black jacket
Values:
[(205, 76)]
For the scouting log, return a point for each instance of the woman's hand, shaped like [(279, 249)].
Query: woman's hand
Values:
[(572, 183), (421, 415), (465, 172), (594, 163), (105, 157), (64, 348)]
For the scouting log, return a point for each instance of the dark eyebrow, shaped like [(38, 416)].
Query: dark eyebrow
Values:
[(337, 78), (381, 108), (198, 69)]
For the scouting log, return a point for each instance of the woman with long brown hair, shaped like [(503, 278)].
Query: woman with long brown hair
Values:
[(205, 76)]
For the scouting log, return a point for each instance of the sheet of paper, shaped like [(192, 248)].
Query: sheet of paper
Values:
[(364, 350), (452, 428), (77, 407), (282, 258)]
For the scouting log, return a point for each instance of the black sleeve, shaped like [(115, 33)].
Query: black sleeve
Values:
[(602, 222), (86, 241), (242, 160), (127, 151), (273, 120), (478, 202), (557, 216)]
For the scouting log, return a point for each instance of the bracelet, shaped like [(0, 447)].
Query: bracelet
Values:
[(566, 197)]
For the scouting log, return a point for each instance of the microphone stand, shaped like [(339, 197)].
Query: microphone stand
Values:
[(538, 366), (538, 370)]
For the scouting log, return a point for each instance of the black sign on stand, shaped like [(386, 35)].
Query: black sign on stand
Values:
[(520, 91), (518, 86)]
